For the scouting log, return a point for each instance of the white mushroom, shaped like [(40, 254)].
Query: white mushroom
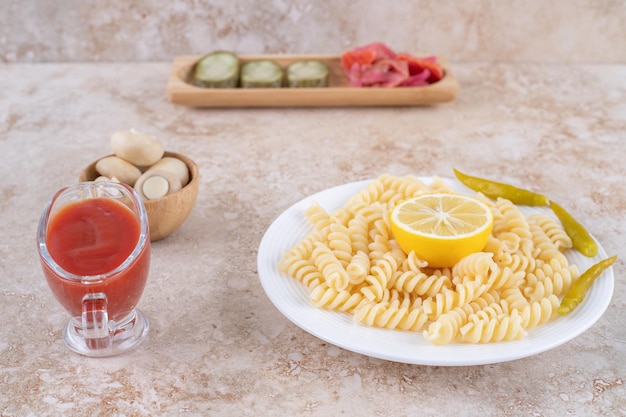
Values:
[(113, 166), (137, 148), (157, 183)]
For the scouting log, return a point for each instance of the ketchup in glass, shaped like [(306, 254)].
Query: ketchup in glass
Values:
[(91, 237)]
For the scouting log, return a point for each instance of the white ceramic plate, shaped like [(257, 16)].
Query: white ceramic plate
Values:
[(292, 300)]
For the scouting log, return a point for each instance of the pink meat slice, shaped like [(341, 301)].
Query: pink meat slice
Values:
[(382, 67)]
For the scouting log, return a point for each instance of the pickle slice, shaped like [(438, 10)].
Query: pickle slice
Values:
[(261, 74), (307, 74), (218, 69)]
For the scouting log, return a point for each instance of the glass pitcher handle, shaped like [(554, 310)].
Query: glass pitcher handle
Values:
[(95, 320)]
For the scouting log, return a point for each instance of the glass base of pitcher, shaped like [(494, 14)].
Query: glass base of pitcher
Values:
[(123, 336)]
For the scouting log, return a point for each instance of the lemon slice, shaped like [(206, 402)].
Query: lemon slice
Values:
[(441, 228)]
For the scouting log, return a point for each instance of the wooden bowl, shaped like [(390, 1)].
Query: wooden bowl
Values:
[(165, 214)]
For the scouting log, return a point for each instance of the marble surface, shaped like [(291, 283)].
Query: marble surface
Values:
[(217, 345), (580, 31)]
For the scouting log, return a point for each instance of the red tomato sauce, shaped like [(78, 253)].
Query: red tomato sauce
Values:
[(92, 237)]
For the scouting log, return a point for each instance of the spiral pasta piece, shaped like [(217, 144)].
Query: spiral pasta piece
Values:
[(514, 298), (553, 229), (448, 299), (358, 268), (550, 278), (487, 298), (512, 220), (490, 311), (539, 312), (381, 227), (535, 289), (421, 283), (378, 247), (446, 327), (510, 241), (497, 329), (546, 250), (406, 187), (380, 274), (517, 262), (475, 266), (414, 263), (501, 278), (370, 212), (304, 248), (358, 230), (342, 216), (333, 271), (323, 296), (376, 192), (395, 314), (340, 243), (318, 217), (304, 270)]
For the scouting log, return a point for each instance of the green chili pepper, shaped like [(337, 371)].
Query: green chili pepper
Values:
[(577, 291), (581, 239), (494, 190)]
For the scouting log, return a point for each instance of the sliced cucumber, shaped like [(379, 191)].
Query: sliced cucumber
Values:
[(261, 74), (307, 74), (217, 70)]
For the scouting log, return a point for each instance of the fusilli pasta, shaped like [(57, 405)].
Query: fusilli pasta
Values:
[(351, 263)]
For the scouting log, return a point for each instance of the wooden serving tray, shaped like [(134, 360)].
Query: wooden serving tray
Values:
[(337, 94)]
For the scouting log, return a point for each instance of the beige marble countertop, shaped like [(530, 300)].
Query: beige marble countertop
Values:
[(217, 345)]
